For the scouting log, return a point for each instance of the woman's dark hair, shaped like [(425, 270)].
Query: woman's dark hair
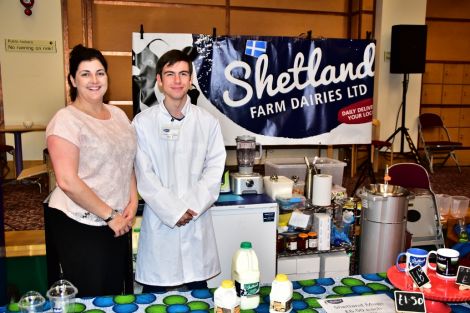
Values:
[(171, 57), (79, 54)]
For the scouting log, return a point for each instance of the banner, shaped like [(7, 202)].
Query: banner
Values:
[(282, 90)]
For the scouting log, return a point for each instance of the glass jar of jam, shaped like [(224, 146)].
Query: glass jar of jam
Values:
[(312, 241), (280, 244), (302, 243), (291, 243)]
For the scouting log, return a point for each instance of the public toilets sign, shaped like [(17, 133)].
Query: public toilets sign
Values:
[(283, 90)]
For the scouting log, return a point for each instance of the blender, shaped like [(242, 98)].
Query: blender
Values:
[(245, 181)]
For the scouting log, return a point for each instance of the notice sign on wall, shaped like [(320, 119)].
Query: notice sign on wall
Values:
[(35, 46)]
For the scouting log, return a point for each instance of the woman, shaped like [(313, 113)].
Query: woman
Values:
[(92, 147)]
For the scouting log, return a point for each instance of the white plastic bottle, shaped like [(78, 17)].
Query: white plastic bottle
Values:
[(225, 298), (281, 295), (245, 273)]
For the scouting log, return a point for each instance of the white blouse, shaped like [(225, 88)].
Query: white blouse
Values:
[(107, 151)]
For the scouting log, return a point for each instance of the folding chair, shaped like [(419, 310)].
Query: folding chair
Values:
[(436, 140), (33, 172), (423, 215)]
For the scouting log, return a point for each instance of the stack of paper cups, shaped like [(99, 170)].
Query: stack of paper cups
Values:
[(321, 194)]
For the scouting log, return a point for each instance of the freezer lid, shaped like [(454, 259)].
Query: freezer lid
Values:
[(230, 199)]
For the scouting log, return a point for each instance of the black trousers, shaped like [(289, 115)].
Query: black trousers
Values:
[(90, 257)]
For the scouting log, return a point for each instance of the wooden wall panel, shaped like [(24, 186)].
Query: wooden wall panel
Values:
[(367, 25), (367, 5), (317, 5), (287, 24), (355, 26), (433, 73), (120, 78), (113, 25), (448, 41), (193, 2), (75, 23), (448, 9)]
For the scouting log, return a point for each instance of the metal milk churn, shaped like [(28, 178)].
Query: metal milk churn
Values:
[(383, 226)]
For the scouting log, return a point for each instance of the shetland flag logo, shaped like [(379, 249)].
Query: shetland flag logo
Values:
[(255, 48)]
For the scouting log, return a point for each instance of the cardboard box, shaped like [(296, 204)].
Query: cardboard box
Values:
[(334, 262), (334, 274), (306, 276), (308, 264), (287, 265), (322, 226)]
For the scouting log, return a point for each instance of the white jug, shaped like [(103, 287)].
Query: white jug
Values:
[(280, 298), (245, 273), (225, 298)]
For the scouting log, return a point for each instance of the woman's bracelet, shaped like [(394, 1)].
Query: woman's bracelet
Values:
[(112, 216)]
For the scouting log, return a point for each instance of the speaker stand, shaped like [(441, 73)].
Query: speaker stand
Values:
[(402, 129)]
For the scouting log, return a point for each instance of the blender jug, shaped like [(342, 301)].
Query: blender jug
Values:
[(246, 153)]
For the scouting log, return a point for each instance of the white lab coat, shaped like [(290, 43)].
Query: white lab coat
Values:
[(174, 175)]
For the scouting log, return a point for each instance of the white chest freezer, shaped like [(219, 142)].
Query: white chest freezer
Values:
[(245, 218)]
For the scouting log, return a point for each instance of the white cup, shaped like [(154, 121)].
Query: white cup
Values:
[(28, 124), (414, 257), (447, 263), (31, 302), (443, 202), (459, 206)]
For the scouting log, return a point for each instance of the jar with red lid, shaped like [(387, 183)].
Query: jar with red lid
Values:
[(302, 242), (312, 241)]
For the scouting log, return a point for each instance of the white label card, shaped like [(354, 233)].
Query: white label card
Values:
[(371, 304)]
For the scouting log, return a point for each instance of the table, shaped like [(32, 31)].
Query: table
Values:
[(306, 293), (441, 290), (17, 131)]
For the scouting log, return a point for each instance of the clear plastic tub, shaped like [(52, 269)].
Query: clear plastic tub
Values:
[(288, 203), (31, 302), (62, 296), (296, 167)]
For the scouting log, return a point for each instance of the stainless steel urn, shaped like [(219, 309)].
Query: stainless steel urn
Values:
[(383, 226)]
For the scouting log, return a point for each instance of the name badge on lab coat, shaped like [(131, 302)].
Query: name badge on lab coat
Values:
[(170, 132)]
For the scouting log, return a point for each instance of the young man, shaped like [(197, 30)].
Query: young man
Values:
[(179, 164)]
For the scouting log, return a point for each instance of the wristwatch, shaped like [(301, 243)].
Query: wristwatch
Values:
[(112, 216)]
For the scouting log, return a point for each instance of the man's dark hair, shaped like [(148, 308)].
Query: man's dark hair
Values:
[(173, 56), (79, 54)]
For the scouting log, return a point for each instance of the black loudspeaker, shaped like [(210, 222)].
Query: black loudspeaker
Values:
[(408, 53)]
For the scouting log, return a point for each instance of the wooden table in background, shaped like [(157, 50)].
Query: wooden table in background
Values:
[(25, 243), (17, 131)]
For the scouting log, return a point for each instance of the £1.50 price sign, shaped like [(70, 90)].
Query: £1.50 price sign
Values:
[(407, 301)]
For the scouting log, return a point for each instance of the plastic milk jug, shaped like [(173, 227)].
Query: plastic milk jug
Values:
[(245, 273), (281, 295), (225, 298)]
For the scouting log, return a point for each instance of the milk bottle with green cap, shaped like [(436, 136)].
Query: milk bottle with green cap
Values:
[(245, 273), (280, 298), (225, 298)]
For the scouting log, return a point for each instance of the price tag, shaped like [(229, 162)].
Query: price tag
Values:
[(419, 276), (463, 276), (407, 301)]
